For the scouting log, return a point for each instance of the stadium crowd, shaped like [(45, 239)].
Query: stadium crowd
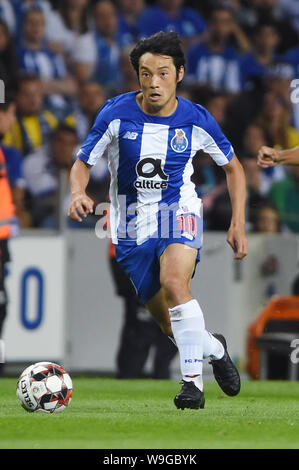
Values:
[(60, 60)]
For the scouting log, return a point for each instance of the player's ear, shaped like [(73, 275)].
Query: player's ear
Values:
[(180, 74)]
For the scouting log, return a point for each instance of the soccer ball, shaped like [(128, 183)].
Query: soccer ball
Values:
[(46, 387)]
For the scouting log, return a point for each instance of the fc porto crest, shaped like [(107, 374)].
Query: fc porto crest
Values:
[(179, 142)]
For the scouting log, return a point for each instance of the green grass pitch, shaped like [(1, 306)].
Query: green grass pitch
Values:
[(107, 413)]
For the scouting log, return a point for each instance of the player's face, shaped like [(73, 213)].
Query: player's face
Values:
[(158, 80)]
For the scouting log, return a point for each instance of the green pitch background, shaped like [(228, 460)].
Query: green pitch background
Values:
[(108, 413)]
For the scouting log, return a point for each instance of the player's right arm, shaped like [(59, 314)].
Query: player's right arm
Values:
[(268, 157), (81, 205), (92, 149)]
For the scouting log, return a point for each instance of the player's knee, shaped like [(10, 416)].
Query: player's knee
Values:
[(175, 289), (171, 284)]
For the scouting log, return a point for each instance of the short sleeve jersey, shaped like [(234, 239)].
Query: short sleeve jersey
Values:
[(150, 160)]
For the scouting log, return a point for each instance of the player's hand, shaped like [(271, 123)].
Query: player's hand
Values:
[(237, 239), (267, 157), (81, 206)]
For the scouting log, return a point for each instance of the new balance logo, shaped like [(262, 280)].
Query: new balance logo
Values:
[(130, 135), (193, 360)]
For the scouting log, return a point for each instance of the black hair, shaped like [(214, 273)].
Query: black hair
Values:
[(32, 9), (22, 79), (159, 43), (63, 127), (64, 9), (222, 5), (25, 77), (265, 22)]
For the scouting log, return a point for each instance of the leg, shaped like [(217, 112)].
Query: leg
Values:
[(165, 351), (176, 268), (162, 279), (177, 264), (158, 308), (180, 317), (187, 324)]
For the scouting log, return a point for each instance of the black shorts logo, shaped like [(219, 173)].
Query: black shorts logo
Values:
[(148, 168)]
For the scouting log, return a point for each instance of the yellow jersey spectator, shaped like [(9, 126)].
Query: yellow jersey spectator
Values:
[(34, 124)]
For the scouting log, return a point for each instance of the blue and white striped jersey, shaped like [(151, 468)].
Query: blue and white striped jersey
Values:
[(150, 161)]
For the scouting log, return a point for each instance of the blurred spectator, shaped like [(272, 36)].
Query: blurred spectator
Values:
[(254, 138), (216, 203), (289, 10), (266, 220), (285, 196), (41, 171), (242, 110), (207, 179), (265, 41), (78, 37), (274, 119), (214, 61), (108, 43), (7, 15), (292, 56), (171, 15), (216, 104), (14, 165), (36, 57), (128, 78), (34, 123), (278, 80), (284, 85), (128, 14), (54, 30), (218, 210), (251, 13), (257, 188), (8, 59), (74, 14), (90, 99)]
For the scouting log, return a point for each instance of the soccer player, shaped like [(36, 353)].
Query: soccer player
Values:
[(155, 217), (268, 157)]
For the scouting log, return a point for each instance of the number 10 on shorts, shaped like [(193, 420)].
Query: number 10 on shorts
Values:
[(187, 223)]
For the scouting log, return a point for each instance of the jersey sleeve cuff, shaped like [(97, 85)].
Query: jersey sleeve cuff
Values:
[(229, 156), (83, 156)]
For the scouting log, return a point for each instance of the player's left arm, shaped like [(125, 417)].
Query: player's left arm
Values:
[(236, 184)]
